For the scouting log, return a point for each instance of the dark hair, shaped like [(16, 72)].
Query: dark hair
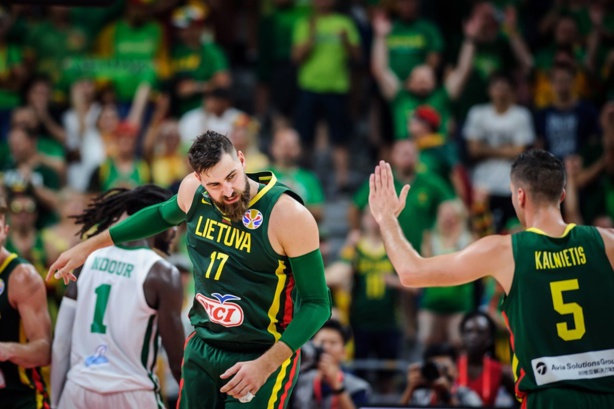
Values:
[(207, 150), (500, 76), (3, 207), (492, 327), (107, 208), (439, 350), (339, 327), (30, 133), (542, 173)]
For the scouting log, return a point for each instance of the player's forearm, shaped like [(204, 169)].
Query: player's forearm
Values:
[(402, 255), (274, 357), (34, 353), (148, 222), (62, 343)]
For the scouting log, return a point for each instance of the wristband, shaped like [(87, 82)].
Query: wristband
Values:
[(338, 391)]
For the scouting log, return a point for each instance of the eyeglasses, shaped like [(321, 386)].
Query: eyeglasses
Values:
[(18, 207)]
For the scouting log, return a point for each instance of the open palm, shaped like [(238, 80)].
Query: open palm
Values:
[(383, 199)]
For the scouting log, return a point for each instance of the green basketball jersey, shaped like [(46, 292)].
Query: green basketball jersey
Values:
[(244, 289), (559, 311), (15, 379)]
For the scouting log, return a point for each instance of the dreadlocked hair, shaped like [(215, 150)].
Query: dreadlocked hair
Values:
[(108, 207)]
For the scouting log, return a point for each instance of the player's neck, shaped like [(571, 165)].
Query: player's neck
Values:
[(135, 244), (547, 219), (253, 188), (4, 253)]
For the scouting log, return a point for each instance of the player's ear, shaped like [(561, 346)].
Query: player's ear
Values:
[(241, 158), (563, 195), (197, 176), (522, 197)]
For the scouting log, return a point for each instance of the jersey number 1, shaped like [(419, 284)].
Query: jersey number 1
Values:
[(102, 299), (557, 288)]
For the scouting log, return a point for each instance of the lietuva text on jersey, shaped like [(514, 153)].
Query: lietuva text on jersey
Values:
[(223, 233), (110, 266), (570, 257)]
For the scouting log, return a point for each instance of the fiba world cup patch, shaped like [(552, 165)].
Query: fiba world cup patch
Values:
[(1, 286), (252, 219)]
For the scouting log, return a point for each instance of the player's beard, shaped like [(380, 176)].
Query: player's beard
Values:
[(235, 211)]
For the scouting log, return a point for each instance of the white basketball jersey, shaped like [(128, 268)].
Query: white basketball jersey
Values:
[(115, 335)]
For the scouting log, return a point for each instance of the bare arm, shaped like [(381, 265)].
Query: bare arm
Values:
[(475, 261), (164, 292), (386, 79), (519, 47), (27, 295), (481, 150), (608, 240), (300, 52), (338, 274), (62, 345), (456, 79), (139, 103)]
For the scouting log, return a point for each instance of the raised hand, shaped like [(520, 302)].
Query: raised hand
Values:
[(383, 199), (381, 24)]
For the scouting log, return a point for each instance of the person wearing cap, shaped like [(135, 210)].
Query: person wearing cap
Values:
[(198, 64), (123, 169), (436, 155)]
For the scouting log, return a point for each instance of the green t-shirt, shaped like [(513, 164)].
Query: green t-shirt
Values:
[(10, 56), (275, 38), (374, 303), (326, 68), (544, 58), (427, 192), (489, 58), (198, 64), (53, 47), (405, 103), (302, 182), (438, 157), (410, 43), (108, 176)]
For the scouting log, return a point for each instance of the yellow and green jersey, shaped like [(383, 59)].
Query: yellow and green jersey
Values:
[(559, 311), (244, 289), (16, 380)]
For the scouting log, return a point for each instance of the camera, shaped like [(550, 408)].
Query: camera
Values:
[(430, 372), (310, 356)]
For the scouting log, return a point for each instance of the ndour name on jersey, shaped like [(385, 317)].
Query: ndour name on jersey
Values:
[(225, 234), (570, 257), (119, 268)]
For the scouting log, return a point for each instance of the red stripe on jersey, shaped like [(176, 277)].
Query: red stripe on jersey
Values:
[(507, 324), (289, 303), (40, 388)]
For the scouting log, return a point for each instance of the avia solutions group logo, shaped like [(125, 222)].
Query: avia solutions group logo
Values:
[(541, 368)]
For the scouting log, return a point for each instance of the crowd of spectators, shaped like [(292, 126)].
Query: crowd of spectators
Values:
[(316, 91)]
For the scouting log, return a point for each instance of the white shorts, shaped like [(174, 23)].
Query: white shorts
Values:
[(76, 397)]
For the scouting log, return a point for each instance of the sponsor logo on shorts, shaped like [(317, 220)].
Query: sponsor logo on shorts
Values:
[(221, 310), (252, 219)]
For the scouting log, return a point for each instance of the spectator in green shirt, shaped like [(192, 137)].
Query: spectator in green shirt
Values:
[(412, 40), (420, 87), (198, 64), (286, 152), (323, 44), (276, 71), (12, 74)]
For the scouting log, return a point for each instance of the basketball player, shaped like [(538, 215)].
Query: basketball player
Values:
[(254, 246), (25, 330), (106, 343), (557, 277)]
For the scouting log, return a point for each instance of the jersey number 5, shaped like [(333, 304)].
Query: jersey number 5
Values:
[(557, 288)]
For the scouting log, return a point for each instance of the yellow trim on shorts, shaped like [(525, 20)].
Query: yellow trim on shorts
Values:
[(274, 309), (279, 382), (23, 377)]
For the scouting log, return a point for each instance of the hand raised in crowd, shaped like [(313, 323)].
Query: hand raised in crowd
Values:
[(383, 199), (510, 19), (472, 26), (381, 24)]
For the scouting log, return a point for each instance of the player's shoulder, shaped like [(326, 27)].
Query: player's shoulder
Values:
[(501, 244), (288, 208), (25, 279), (187, 189)]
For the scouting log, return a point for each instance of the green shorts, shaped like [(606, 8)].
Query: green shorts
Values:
[(201, 383), (21, 400), (560, 398)]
